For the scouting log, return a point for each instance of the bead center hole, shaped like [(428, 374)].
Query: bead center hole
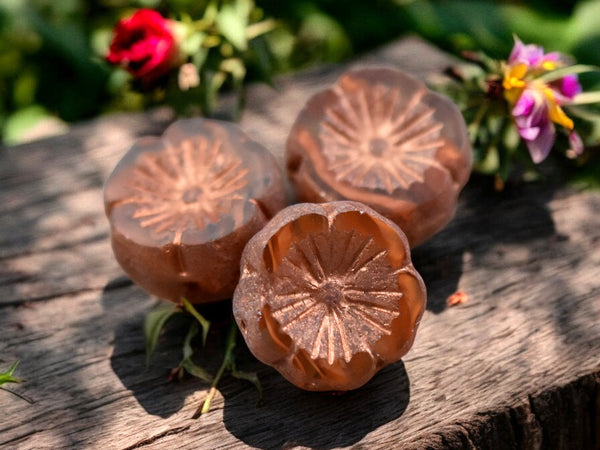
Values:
[(331, 293), (192, 195), (377, 147)]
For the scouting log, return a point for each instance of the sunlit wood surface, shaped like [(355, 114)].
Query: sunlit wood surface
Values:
[(517, 366)]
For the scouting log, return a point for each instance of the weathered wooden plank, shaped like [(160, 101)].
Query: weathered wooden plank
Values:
[(515, 367)]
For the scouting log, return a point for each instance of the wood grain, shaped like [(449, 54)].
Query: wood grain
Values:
[(518, 366)]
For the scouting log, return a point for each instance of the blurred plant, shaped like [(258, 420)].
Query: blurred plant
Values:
[(514, 105), (52, 53), (154, 325), (46, 70), (145, 45), (186, 61), (8, 377)]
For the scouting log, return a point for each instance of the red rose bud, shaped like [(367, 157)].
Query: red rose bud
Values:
[(144, 45)]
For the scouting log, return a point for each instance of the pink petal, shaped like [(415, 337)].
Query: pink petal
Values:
[(540, 147), (570, 86), (530, 133), (576, 143), (524, 105)]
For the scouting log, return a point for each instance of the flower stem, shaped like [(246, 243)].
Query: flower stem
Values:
[(227, 364), (474, 125)]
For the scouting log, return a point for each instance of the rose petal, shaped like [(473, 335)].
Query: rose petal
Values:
[(144, 45)]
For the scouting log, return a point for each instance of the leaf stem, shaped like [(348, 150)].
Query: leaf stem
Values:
[(585, 98), (567, 70), (205, 324), (227, 363), (473, 128), (16, 394)]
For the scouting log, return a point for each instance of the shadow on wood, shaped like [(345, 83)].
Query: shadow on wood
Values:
[(149, 385), (484, 220), (291, 417), (286, 416)]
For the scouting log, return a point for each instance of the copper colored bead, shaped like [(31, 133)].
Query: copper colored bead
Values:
[(182, 208), (328, 295), (379, 136)]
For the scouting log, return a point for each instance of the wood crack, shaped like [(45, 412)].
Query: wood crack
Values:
[(156, 437)]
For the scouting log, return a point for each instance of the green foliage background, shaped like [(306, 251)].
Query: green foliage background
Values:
[(51, 52)]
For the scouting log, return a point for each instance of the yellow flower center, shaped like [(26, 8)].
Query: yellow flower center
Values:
[(513, 82)]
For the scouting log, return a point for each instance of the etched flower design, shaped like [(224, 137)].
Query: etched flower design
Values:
[(376, 138), (185, 186), (326, 297), (183, 206)]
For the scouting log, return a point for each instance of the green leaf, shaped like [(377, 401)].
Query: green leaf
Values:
[(20, 124), (153, 325), (235, 67), (259, 28), (263, 60), (188, 351), (7, 377), (205, 324), (586, 98), (228, 364), (192, 43), (563, 71), (251, 377), (583, 113), (199, 57), (196, 371), (211, 12), (232, 21)]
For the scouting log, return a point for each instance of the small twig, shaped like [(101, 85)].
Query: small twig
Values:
[(16, 394)]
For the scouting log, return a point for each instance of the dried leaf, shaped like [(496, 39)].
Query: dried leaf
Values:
[(458, 298)]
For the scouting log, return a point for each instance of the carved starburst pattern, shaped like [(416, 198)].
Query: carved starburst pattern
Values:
[(336, 300), (185, 186), (376, 139)]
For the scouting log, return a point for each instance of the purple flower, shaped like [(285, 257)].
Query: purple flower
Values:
[(533, 56), (537, 104), (567, 87), (529, 54), (576, 143), (534, 125)]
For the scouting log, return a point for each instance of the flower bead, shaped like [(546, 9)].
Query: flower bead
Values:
[(328, 295)]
